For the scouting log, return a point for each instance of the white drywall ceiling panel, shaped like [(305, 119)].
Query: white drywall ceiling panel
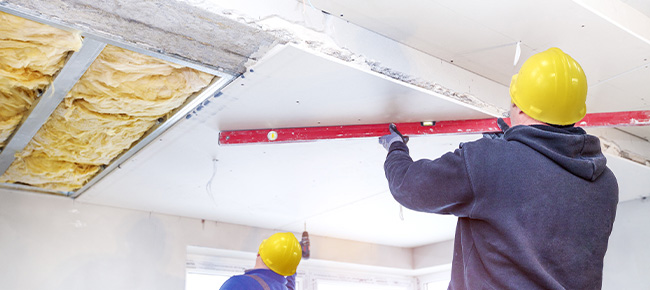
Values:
[(292, 87), (480, 35), (633, 178), (642, 132), (380, 213), (432, 27), (627, 92), (282, 186), (642, 6), (331, 185)]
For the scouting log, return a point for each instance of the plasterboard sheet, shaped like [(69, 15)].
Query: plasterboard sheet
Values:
[(480, 36), (625, 92), (382, 214), (433, 27), (642, 6), (293, 87), (642, 132), (275, 186), (337, 187), (281, 186), (633, 178)]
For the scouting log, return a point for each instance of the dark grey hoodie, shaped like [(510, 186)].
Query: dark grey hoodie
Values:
[(535, 208)]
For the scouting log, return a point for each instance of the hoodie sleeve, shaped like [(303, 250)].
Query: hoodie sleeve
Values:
[(436, 186)]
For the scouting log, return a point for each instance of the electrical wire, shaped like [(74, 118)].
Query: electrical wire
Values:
[(208, 186)]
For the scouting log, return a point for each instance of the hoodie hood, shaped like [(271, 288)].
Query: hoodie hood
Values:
[(572, 148)]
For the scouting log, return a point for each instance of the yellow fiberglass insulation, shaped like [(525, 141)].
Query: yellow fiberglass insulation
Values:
[(119, 98), (30, 54)]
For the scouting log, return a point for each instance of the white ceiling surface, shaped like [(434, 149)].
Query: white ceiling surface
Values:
[(633, 178), (337, 187), (481, 37), (292, 87)]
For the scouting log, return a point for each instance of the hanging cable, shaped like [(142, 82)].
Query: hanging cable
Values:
[(208, 186), (517, 53)]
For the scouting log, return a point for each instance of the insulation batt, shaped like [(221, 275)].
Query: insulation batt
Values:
[(30, 54), (119, 98)]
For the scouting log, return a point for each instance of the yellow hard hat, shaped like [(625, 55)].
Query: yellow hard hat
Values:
[(551, 87), (281, 252)]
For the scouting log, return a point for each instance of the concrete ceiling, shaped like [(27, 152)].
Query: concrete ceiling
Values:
[(337, 187)]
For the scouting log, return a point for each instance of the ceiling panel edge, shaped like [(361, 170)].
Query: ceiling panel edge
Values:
[(75, 66)]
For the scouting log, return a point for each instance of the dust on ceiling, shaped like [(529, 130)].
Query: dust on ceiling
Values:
[(118, 99)]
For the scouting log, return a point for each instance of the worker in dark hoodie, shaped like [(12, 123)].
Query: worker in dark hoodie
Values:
[(536, 205)]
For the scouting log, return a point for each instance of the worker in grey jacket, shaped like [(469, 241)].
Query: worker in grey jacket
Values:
[(536, 205)]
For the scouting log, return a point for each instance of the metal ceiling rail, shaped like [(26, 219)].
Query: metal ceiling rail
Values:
[(287, 135), (200, 67), (195, 101), (39, 113), (74, 68)]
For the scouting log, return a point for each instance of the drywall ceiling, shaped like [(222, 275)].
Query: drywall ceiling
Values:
[(612, 43), (337, 187)]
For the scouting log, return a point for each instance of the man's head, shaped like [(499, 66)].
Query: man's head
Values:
[(281, 253), (551, 88)]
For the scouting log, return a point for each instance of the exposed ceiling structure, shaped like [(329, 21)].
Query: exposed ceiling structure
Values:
[(327, 63)]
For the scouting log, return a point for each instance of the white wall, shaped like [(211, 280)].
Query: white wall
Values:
[(627, 262), (51, 242)]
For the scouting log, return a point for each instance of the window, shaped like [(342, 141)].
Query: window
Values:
[(438, 279), (213, 281), (340, 285), (437, 285), (198, 281), (210, 268)]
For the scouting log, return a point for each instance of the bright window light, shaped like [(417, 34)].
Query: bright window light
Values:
[(195, 281), (339, 285), (438, 285)]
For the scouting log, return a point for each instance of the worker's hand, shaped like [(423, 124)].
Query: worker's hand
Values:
[(394, 136), (498, 135)]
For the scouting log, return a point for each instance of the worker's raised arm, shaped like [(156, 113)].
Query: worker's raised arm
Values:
[(438, 186)]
